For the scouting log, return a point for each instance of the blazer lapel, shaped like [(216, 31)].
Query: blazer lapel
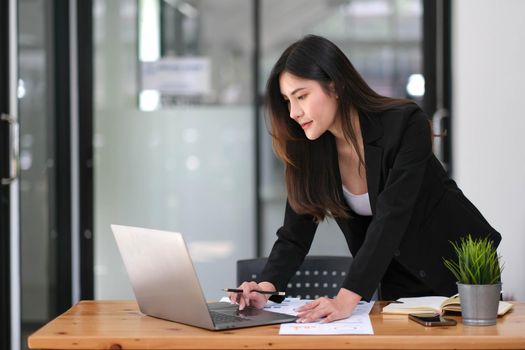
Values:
[(371, 131)]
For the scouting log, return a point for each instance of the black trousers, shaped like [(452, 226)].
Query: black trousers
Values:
[(398, 282)]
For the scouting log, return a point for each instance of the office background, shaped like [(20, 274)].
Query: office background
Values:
[(191, 160), (201, 165)]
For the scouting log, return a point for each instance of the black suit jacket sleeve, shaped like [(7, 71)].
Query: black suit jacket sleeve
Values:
[(294, 239), (394, 207)]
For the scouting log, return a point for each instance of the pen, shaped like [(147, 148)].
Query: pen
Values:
[(236, 290)]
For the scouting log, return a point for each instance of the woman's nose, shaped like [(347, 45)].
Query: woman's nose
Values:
[(295, 111)]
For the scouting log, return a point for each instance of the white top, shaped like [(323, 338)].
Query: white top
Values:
[(359, 203)]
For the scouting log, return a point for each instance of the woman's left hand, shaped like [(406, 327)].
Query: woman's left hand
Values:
[(327, 309)]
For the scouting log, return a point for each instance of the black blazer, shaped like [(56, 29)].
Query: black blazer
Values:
[(417, 209)]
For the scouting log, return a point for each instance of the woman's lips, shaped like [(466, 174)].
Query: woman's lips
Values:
[(305, 125)]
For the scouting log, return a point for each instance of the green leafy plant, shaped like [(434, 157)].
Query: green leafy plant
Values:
[(478, 261)]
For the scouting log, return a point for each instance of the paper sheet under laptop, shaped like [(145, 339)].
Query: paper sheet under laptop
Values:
[(358, 323)]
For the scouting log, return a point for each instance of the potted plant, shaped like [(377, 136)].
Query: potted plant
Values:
[(478, 272)]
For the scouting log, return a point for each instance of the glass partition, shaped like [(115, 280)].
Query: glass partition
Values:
[(186, 162), (193, 52), (39, 243)]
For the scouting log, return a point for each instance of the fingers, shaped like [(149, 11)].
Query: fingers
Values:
[(234, 297), (247, 296), (329, 318), (313, 311), (324, 309), (311, 316)]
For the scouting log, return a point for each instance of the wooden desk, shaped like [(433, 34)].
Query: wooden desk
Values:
[(119, 325)]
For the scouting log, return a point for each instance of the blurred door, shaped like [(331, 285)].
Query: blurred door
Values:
[(35, 253), (437, 72), (9, 263)]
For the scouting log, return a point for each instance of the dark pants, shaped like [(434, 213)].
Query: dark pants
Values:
[(398, 282)]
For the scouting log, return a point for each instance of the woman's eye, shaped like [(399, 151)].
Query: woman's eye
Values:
[(302, 97)]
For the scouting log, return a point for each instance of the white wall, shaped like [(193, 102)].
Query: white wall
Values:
[(489, 121)]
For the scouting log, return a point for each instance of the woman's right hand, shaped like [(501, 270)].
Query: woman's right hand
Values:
[(250, 298)]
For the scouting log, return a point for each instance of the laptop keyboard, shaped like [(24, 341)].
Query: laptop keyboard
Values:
[(219, 317)]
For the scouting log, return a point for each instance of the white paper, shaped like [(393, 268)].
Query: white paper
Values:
[(289, 306), (357, 323)]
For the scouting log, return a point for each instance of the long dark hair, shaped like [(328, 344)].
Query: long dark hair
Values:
[(310, 166)]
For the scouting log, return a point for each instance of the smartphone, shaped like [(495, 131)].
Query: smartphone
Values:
[(432, 320)]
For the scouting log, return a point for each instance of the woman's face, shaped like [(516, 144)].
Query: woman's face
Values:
[(310, 106)]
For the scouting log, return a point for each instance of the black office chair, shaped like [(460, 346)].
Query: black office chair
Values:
[(318, 275)]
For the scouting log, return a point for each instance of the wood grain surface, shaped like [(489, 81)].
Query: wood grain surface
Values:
[(120, 325)]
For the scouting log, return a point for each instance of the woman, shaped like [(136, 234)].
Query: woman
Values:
[(366, 160)]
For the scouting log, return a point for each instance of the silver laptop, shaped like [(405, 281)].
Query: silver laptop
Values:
[(166, 286)]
